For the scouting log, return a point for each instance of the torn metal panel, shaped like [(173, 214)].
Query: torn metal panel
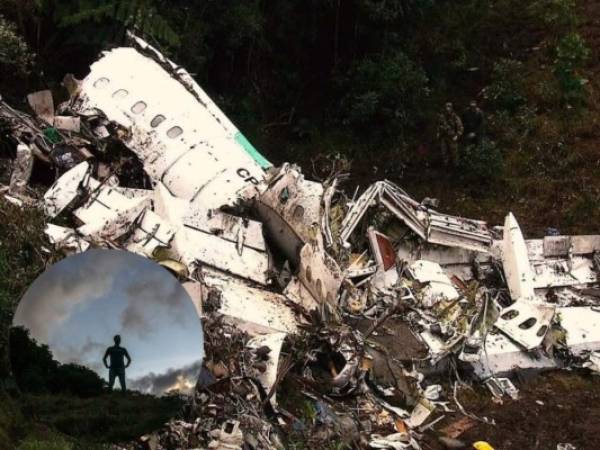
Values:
[(383, 281), (360, 272), (358, 210), (66, 238), (299, 294), (502, 386), (526, 322), (565, 246), (435, 227), (198, 246), (168, 207), (244, 232), (149, 232), (502, 356), (420, 413), (108, 214), (218, 193), (66, 189), (577, 271), (183, 142), (184, 77), (229, 243), (582, 325), (444, 256), (291, 210), (426, 223), (68, 123), (134, 193), (555, 247), (21, 170), (254, 310), (326, 220), (320, 274), (268, 377), (438, 285), (42, 104), (515, 261), (382, 249)]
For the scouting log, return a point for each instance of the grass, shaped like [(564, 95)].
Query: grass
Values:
[(111, 417)]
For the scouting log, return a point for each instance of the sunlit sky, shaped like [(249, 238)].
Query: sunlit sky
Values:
[(80, 303)]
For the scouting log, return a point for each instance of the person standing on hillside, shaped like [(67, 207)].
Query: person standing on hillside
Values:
[(474, 124), (116, 369), (449, 131)]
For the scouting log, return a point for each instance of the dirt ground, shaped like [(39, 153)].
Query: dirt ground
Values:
[(553, 407)]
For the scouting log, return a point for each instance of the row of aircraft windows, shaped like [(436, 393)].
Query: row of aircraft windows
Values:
[(139, 107)]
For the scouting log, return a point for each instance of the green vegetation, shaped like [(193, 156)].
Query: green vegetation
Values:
[(52, 406), (357, 83), (110, 417), (21, 261), (36, 371)]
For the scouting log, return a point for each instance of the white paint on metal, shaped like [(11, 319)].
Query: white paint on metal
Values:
[(149, 232), (201, 247), (65, 189), (267, 378), (502, 356), (515, 261), (526, 322), (320, 274), (255, 310), (291, 210), (438, 285), (299, 294), (183, 142), (65, 238), (582, 324), (108, 214)]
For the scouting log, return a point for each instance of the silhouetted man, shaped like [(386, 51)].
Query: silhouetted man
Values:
[(117, 365)]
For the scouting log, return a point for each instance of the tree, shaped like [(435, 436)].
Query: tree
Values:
[(36, 371)]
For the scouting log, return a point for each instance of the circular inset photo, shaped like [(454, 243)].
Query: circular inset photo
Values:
[(106, 337)]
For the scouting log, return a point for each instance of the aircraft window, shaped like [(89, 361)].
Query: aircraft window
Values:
[(101, 83), (174, 132), (157, 120), (121, 93), (139, 108)]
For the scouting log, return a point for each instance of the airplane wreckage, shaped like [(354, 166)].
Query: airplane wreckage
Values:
[(366, 298)]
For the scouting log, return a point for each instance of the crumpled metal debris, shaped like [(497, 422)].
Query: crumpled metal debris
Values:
[(363, 300), (22, 167)]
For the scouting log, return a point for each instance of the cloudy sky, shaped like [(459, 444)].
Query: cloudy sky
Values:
[(80, 303)]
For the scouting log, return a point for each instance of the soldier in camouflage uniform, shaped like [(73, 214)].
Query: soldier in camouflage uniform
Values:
[(450, 129)]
